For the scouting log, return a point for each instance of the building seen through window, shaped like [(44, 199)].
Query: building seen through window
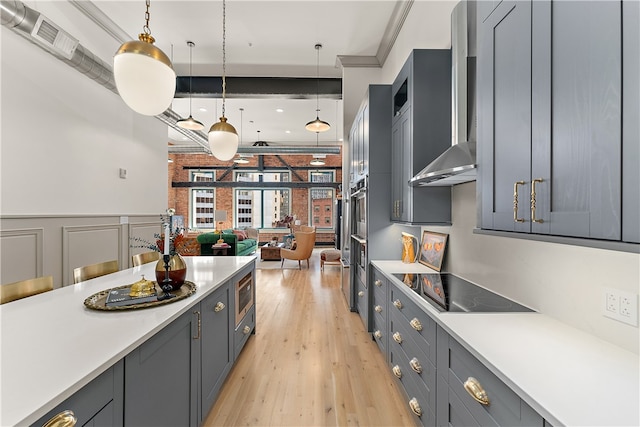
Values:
[(202, 201), (261, 207)]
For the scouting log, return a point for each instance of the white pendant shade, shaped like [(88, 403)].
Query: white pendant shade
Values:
[(223, 140), (317, 125), (145, 83), (317, 162)]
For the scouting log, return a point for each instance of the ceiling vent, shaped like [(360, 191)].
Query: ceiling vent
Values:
[(52, 36)]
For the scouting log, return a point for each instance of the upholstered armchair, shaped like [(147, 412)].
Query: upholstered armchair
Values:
[(305, 241)]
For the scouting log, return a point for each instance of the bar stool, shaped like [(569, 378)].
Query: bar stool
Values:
[(25, 288), (87, 272), (145, 257)]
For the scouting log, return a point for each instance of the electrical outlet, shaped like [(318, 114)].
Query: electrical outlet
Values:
[(620, 305)]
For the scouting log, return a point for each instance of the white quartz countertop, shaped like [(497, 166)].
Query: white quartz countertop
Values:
[(52, 345), (568, 376)]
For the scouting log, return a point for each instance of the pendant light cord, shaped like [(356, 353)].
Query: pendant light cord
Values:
[(146, 28), (190, 74), (318, 47), (224, 53)]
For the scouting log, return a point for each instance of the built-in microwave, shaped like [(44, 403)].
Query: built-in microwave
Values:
[(244, 296)]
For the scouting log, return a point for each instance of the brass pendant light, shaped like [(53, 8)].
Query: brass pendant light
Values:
[(241, 159), (190, 123), (143, 74), (317, 125), (223, 138)]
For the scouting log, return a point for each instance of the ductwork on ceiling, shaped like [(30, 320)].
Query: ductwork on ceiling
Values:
[(458, 163), (44, 33)]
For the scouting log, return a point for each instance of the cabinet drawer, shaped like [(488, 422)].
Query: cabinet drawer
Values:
[(380, 335), (505, 407), (243, 331), (406, 309), (419, 366), (413, 390)]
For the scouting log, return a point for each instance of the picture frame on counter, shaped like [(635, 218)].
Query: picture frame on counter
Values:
[(432, 249)]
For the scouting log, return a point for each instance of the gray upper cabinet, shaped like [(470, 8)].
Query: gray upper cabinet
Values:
[(421, 131), (550, 119), (631, 121)]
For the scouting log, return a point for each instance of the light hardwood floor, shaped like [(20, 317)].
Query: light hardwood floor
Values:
[(310, 363)]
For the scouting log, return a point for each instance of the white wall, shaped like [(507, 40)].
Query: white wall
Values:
[(559, 280)]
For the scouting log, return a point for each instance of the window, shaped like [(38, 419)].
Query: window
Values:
[(202, 201), (321, 199), (261, 207)]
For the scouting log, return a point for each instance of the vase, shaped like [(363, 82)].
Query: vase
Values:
[(177, 271)]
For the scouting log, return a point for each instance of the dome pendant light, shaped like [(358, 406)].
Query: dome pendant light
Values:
[(317, 161), (143, 74), (241, 160), (190, 123), (317, 125), (223, 138)]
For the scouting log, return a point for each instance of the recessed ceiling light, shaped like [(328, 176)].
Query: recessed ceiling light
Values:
[(202, 109), (184, 138), (287, 131), (279, 110)]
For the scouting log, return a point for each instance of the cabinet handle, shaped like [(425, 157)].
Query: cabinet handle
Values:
[(197, 313), (415, 324), (219, 307), (397, 303), (246, 329), (397, 337), (397, 371), (64, 419), (533, 202), (476, 391), (515, 201), (415, 365), (378, 309), (415, 407), (378, 282), (361, 293), (377, 334)]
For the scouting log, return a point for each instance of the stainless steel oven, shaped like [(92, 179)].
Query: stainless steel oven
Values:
[(244, 296)]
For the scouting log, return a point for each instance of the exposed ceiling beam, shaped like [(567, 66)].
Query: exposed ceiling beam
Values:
[(260, 87)]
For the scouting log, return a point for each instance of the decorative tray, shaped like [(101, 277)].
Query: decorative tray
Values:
[(97, 300)]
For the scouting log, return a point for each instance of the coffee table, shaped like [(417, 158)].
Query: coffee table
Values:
[(271, 253)]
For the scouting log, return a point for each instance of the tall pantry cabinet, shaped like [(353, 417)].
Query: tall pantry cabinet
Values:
[(550, 93)]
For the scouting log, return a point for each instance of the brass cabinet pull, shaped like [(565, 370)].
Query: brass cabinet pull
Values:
[(377, 334), (246, 329), (415, 365), (533, 202), (63, 419), (476, 391), (397, 371), (397, 303), (415, 324), (378, 282), (361, 293), (515, 201), (219, 307), (197, 313), (378, 309), (397, 337), (415, 407)]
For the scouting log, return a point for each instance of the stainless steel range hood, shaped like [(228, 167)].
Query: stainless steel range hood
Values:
[(458, 163)]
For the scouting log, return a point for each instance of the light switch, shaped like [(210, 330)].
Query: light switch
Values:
[(123, 173)]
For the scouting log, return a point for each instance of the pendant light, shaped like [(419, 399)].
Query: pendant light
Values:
[(317, 125), (143, 74), (241, 160), (190, 123), (317, 161), (223, 138)]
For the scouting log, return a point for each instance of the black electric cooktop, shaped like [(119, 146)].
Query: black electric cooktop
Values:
[(450, 293)]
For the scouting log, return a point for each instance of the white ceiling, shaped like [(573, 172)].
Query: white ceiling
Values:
[(263, 38)]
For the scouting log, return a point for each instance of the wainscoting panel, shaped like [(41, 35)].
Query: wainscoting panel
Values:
[(145, 231), (85, 245), (21, 254)]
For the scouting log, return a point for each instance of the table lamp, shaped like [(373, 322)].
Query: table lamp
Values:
[(220, 217)]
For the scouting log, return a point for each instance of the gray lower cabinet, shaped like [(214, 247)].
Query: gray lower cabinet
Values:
[(215, 352), (362, 300), (161, 376), (550, 123), (99, 403), (421, 131), (243, 331), (380, 306), (462, 378)]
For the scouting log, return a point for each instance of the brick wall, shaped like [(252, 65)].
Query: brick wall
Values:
[(179, 197)]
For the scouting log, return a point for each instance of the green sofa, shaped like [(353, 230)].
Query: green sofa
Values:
[(238, 248)]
